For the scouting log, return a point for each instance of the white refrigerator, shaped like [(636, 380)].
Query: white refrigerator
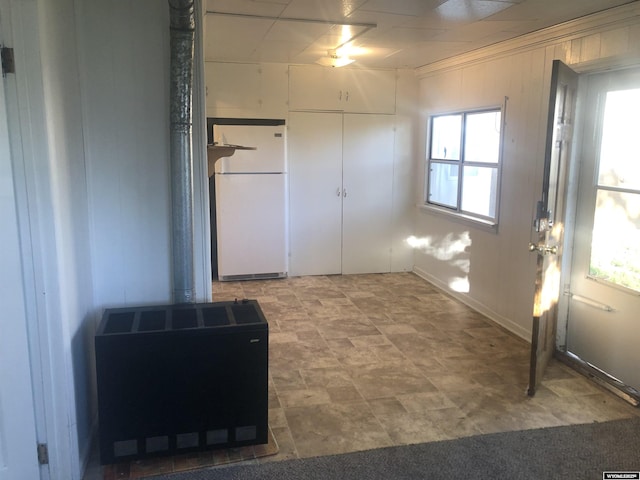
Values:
[(251, 203)]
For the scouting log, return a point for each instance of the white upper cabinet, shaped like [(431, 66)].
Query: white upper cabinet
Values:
[(234, 86), (244, 90), (369, 91), (315, 88), (340, 89)]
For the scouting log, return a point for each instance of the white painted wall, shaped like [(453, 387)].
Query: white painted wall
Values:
[(498, 268), (406, 150), (66, 167), (51, 199), (89, 132), (124, 62)]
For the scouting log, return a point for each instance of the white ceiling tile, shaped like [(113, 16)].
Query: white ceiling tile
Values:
[(555, 11), (323, 44), (408, 32), (297, 32), (476, 31), (402, 35), (226, 37), (424, 53), (469, 10), (247, 7), (220, 25), (384, 21), (321, 9), (279, 52), (404, 7)]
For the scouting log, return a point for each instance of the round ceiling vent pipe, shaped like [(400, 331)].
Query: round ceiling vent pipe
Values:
[(182, 27)]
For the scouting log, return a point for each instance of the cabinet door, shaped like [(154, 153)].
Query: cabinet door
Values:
[(315, 189), (368, 191), (232, 87), (315, 88), (369, 91), (342, 89)]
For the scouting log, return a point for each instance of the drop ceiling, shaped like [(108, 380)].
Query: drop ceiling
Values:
[(379, 33)]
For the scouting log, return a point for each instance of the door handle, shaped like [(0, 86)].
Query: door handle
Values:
[(338, 192), (543, 249), (344, 193), (590, 302)]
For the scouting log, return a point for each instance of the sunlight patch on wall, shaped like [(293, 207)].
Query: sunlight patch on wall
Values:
[(460, 284), (451, 249), (446, 249)]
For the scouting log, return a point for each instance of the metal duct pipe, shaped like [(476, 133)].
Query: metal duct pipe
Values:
[(182, 27)]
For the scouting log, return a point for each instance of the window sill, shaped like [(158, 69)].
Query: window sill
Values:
[(486, 225)]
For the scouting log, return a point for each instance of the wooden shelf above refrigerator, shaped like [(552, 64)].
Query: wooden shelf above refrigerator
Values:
[(216, 152)]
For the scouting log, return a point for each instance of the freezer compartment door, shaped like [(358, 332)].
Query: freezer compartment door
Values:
[(251, 221), (269, 141)]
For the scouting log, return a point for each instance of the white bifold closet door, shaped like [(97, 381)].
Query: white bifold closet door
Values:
[(367, 183), (341, 181)]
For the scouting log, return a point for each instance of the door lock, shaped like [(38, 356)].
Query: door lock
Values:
[(543, 249)]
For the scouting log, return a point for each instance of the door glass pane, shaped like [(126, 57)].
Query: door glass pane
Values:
[(445, 137), (620, 148), (482, 137), (443, 184), (479, 190), (615, 245)]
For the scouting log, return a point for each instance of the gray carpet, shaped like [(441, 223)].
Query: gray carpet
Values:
[(573, 452)]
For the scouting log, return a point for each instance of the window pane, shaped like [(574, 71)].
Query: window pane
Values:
[(620, 148), (615, 245), (443, 184), (445, 137), (480, 190), (482, 137)]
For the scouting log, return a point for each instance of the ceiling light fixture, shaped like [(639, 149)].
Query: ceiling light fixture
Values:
[(336, 57), (334, 60)]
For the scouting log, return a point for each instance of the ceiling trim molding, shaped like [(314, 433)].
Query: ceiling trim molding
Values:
[(617, 17)]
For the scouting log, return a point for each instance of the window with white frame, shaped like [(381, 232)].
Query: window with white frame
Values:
[(463, 163)]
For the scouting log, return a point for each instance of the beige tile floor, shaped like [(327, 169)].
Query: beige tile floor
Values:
[(366, 361)]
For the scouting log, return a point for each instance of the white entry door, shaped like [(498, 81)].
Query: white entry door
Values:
[(18, 458), (603, 326), (550, 220)]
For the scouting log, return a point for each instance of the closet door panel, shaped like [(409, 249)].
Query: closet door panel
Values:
[(368, 145), (315, 189)]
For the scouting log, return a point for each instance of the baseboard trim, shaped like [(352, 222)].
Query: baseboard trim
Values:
[(504, 322)]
